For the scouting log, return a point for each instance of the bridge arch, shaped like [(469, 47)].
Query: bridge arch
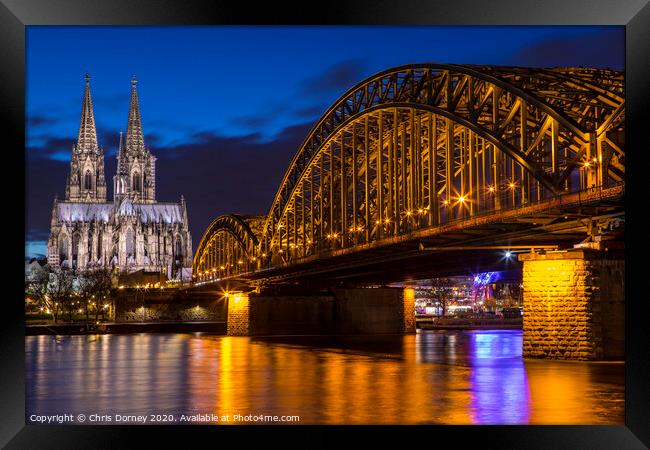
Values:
[(547, 123), (425, 145), (228, 246)]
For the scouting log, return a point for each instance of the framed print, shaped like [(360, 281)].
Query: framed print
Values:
[(368, 215)]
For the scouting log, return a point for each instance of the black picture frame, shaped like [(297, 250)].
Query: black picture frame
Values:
[(15, 15)]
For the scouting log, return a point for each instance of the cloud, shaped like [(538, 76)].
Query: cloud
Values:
[(60, 149), (113, 101), (109, 141), (223, 175), (35, 249), (152, 140), (53, 148), (253, 121), (38, 234), (45, 178), (602, 49), (267, 124), (309, 111), (37, 121), (339, 77)]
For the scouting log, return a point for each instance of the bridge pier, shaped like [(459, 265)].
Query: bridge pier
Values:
[(338, 311), (574, 305)]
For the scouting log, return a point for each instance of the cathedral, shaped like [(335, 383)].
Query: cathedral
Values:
[(133, 232)]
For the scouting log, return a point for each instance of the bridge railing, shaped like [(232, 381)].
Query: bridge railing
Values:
[(559, 202), (594, 193)]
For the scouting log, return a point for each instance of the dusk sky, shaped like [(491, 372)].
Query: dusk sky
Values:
[(224, 109)]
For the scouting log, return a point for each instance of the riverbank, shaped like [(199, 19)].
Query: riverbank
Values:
[(449, 323), (219, 327), (126, 328)]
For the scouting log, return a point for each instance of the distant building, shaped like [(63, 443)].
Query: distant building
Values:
[(32, 267), (134, 231)]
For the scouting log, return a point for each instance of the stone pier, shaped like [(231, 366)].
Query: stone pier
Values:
[(238, 315), (574, 305), (339, 311)]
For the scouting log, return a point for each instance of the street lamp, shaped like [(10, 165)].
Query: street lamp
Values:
[(144, 299)]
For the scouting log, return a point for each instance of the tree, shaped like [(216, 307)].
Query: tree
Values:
[(93, 288), (51, 288), (60, 290), (102, 288), (38, 288), (85, 290), (443, 292)]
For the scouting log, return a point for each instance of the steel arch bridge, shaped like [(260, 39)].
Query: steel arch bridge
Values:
[(423, 146), (228, 245)]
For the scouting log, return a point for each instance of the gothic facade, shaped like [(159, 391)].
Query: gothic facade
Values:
[(132, 232)]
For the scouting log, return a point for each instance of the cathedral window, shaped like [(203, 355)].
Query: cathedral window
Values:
[(63, 248), (130, 243), (75, 247), (88, 180), (179, 248), (137, 185)]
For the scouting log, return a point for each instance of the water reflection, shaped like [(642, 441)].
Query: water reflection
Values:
[(499, 381), (450, 377)]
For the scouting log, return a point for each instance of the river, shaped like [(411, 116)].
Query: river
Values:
[(431, 377)]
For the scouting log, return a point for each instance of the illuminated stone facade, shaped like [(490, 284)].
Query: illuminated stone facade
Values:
[(573, 305), (134, 231), (238, 315), (409, 310)]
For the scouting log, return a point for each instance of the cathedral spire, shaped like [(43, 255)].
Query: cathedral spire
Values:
[(134, 138), (86, 181), (87, 140), (121, 162), (137, 179)]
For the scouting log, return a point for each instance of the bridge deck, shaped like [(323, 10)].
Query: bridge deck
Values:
[(563, 221)]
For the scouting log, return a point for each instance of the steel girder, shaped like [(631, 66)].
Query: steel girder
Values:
[(227, 246), (565, 114), (423, 145)]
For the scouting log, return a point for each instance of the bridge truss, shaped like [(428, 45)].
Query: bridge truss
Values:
[(423, 146)]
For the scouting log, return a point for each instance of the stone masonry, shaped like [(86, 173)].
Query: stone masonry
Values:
[(573, 305), (131, 305), (340, 311), (408, 311), (238, 315)]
